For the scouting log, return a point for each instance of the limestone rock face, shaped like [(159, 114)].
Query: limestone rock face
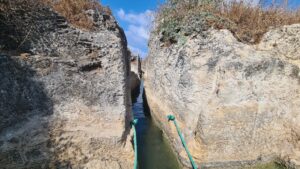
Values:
[(65, 103), (135, 76), (235, 103)]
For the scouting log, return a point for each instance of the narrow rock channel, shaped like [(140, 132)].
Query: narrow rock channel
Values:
[(153, 149)]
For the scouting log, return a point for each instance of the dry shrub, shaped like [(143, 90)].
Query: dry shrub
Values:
[(74, 11), (252, 22), (247, 22)]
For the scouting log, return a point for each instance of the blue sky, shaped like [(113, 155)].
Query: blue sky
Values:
[(292, 3), (136, 16)]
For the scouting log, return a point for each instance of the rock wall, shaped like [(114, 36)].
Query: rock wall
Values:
[(236, 104), (66, 102), (135, 76)]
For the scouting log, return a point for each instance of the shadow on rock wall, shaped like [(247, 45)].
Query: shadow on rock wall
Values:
[(25, 111)]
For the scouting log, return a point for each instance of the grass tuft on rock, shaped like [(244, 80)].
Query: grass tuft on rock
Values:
[(246, 21)]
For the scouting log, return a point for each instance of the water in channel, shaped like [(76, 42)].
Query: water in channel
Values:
[(153, 149), (154, 152)]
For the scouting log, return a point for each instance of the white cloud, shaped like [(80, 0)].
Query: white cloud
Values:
[(137, 18), (251, 2), (141, 31), (138, 29), (138, 51)]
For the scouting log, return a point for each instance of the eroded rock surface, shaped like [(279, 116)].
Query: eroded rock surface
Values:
[(135, 76), (65, 103), (235, 103)]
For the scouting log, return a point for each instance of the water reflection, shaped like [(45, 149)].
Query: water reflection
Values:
[(153, 150)]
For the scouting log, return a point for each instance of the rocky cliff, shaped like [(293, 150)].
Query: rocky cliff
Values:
[(237, 104), (64, 91), (135, 76)]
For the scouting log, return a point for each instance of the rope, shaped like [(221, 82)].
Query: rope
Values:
[(172, 118), (133, 124)]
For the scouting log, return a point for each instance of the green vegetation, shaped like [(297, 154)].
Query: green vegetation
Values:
[(248, 23), (272, 165)]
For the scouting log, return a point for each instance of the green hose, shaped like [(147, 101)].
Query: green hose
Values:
[(133, 123), (172, 118)]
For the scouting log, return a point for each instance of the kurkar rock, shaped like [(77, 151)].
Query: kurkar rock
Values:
[(66, 102), (135, 76), (235, 103)]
